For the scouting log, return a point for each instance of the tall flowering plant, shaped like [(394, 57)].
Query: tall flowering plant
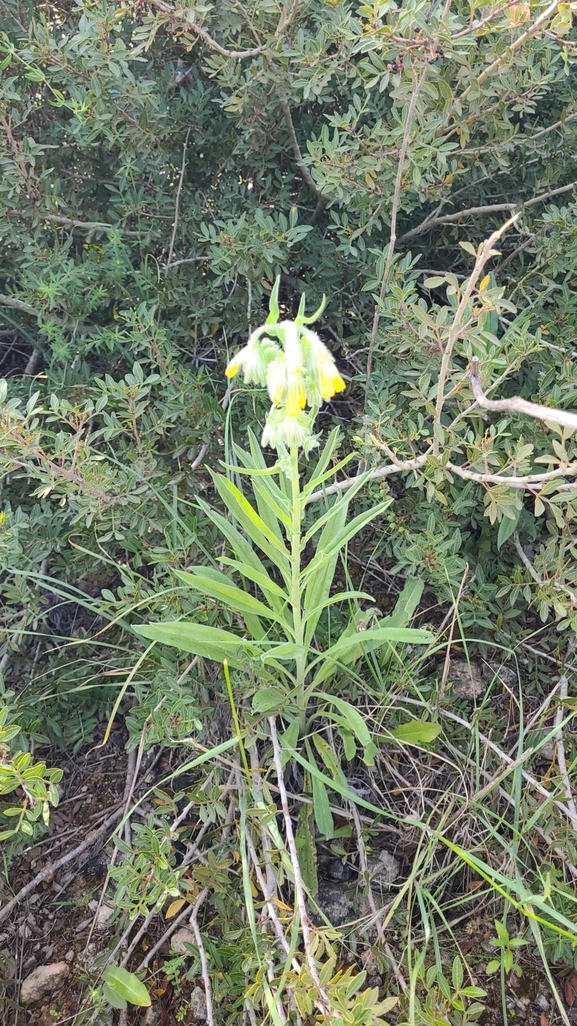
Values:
[(297, 369), (282, 595)]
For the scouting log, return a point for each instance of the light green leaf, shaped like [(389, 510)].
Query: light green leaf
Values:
[(323, 555), (322, 809), (307, 851), (201, 640), (127, 986), (416, 732), (353, 719), (114, 999), (261, 578), (507, 528), (349, 648), (252, 523), (268, 700), (319, 583), (240, 545), (207, 581)]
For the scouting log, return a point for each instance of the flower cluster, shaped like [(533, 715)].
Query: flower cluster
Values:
[(298, 371)]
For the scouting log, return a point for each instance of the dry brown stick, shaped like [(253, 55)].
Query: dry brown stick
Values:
[(561, 760), (518, 405), (52, 867), (304, 170), (417, 86), (489, 208), (203, 959), (507, 759), (177, 203), (298, 882)]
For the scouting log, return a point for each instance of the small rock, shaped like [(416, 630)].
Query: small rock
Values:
[(467, 678), (197, 1007), (384, 870), (103, 914), (181, 938), (333, 900), (334, 869), (69, 956), (44, 980), (542, 1003)]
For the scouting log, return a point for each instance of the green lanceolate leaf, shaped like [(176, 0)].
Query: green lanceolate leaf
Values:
[(319, 583), (323, 555), (351, 716), (240, 545), (348, 649), (210, 582), (252, 523), (307, 851), (258, 577), (322, 809), (268, 700), (416, 732), (127, 986), (201, 640)]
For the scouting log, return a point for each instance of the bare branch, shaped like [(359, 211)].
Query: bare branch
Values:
[(304, 170), (373, 475), (71, 325), (454, 331), (177, 204), (489, 208), (537, 24), (183, 14), (518, 405), (527, 481), (90, 226), (417, 86)]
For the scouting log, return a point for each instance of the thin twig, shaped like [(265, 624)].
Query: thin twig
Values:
[(177, 203), (537, 24), (307, 177), (417, 86), (373, 475), (52, 867), (183, 14), (561, 760), (203, 959), (486, 251), (507, 759), (298, 882), (518, 405), (447, 664), (488, 208)]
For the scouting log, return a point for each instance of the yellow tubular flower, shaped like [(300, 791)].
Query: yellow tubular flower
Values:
[(330, 379), (296, 397), (276, 380)]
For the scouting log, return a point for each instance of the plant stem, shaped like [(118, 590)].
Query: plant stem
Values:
[(295, 591)]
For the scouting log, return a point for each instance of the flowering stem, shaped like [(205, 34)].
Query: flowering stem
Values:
[(295, 544)]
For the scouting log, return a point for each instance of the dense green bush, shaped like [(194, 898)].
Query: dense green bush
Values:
[(161, 164)]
